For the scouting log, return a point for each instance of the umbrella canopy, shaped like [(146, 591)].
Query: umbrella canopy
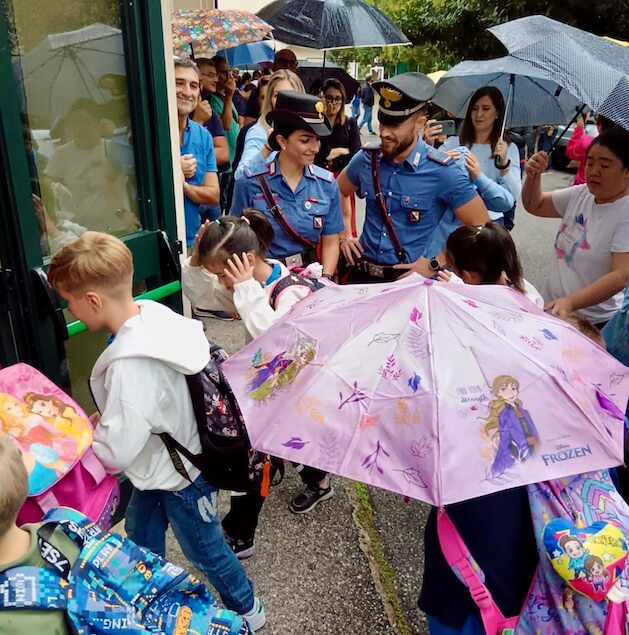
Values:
[(249, 54), (330, 24), (207, 31), (64, 67), (531, 98), (437, 391), (311, 72), (592, 68)]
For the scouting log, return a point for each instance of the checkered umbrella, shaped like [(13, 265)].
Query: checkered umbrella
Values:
[(592, 68)]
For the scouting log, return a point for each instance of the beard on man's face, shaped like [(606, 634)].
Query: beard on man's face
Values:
[(392, 147)]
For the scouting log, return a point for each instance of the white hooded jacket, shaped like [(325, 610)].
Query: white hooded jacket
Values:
[(139, 387)]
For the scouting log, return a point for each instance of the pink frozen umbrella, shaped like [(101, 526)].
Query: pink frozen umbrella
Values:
[(437, 391)]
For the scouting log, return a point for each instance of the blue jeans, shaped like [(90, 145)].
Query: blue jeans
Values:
[(193, 514), (367, 113), (356, 111), (472, 626)]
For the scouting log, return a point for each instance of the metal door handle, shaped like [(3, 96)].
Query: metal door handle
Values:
[(48, 303)]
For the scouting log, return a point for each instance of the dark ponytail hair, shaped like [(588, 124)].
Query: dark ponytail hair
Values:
[(229, 235), (616, 140), (486, 250)]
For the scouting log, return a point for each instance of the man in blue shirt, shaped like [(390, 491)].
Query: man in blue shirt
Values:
[(367, 99), (418, 184), (198, 164)]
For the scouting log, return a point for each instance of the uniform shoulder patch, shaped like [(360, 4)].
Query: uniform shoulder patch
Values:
[(322, 173), (372, 146), (440, 157), (256, 170)]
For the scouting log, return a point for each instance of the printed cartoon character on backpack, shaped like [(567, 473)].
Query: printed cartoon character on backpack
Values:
[(596, 573), (578, 555), (62, 416), (509, 427)]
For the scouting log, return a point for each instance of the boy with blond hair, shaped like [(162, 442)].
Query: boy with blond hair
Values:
[(19, 548), (139, 387)]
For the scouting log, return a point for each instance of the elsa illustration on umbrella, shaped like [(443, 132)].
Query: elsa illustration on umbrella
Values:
[(509, 426)]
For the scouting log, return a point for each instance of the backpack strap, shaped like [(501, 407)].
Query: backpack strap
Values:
[(43, 587), (381, 203), (461, 562), (289, 281)]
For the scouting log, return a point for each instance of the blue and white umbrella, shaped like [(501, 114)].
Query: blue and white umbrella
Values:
[(531, 98), (249, 54), (592, 68)]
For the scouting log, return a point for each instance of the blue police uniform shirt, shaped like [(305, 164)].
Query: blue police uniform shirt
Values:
[(197, 141), (418, 192), (312, 210)]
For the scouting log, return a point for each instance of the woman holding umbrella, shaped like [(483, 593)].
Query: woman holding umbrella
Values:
[(300, 199), (344, 142), (481, 132), (591, 266)]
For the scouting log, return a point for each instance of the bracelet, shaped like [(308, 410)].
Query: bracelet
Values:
[(268, 147), (327, 275)]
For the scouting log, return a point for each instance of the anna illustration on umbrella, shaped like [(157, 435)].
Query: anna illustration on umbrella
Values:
[(509, 426)]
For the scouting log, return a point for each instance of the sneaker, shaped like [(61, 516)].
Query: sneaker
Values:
[(309, 498), (256, 617), (242, 549), (216, 315)]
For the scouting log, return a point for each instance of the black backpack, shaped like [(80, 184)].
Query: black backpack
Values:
[(227, 460)]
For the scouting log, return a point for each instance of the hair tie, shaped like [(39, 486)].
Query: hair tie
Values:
[(218, 221), (246, 220), (479, 229)]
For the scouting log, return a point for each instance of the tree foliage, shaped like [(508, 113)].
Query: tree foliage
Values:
[(445, 32)]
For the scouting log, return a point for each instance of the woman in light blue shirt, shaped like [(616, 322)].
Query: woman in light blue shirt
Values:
[(480, 133)]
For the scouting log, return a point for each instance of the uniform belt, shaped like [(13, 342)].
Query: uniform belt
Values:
[(301, 259), (385, 272)]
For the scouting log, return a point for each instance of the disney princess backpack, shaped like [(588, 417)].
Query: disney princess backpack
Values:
[(54, 436), (581, 585)]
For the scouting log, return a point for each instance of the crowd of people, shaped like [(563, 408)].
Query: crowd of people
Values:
[(269, 185)]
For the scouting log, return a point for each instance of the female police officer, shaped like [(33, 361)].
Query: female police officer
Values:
[(300, 199)]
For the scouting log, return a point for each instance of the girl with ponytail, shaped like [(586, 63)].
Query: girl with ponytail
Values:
[(486, 254)]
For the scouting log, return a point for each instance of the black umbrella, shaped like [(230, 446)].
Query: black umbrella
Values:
[(330, 24), (312, 74)]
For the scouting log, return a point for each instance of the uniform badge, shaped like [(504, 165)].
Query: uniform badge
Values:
[(317, 222), (414, 216), (405, 200), (307, 204)]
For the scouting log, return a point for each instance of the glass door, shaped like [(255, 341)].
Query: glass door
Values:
[(86, 146)]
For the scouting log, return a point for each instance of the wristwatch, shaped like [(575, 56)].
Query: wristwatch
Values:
[(434, 264)]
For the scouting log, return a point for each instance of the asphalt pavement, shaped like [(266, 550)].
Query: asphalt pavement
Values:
[(354, 564)]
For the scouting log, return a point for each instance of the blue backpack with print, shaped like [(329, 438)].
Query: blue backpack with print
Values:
[(113, 586)]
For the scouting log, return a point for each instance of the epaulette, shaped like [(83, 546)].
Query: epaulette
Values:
[(372, 146), (440, 157), (321, 173), (256, 170)]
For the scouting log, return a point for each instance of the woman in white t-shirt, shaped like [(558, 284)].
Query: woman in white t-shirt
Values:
[(591, 266)]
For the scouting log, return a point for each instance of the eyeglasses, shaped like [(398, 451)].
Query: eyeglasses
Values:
[(285, 63), (334, 100), (210, 75)]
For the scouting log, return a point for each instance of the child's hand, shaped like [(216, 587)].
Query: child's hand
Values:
[(444, 276), (195, 261), (239, 269)]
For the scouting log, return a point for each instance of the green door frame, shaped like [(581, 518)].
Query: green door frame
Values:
[(156, 262)]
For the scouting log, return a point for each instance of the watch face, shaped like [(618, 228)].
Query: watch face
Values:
[(434, 264)]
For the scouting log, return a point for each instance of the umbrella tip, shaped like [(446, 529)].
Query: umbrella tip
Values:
[(428, 282)]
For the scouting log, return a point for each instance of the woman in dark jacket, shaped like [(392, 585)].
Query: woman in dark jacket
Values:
[(344, 142)]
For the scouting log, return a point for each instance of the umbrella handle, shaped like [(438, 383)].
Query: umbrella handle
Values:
[(558, 139), (497, 164)]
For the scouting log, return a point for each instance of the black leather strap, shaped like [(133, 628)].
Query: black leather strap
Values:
[(400, 252), (279, 216)]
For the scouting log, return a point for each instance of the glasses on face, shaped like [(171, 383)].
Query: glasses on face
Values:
[(286, 63), (210, 75), (333, 100)]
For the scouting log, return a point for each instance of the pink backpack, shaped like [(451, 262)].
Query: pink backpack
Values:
[(581, 530), (55, 437)]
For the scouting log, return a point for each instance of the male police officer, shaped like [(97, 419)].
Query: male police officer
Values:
[(408, 186)]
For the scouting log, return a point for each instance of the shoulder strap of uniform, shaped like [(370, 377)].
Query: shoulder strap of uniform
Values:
[(255, 170), (321, 173), (439, 157)]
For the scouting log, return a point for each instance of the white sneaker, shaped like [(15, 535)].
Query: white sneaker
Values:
[(256, 617)]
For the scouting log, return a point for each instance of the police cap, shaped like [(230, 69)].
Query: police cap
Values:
[(403, 95), (299, 111)]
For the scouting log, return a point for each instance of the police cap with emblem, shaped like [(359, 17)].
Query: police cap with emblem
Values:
[(403, 95), (297, 111)]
